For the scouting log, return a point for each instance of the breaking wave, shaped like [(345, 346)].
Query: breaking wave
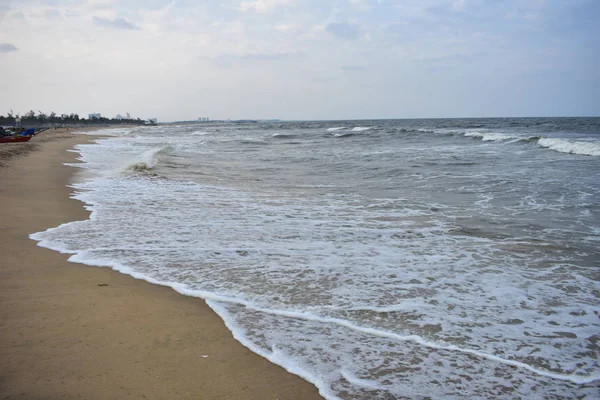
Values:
[(341, 132), (491, 136), (145, 163), (402, 263), (572, 147), (586, 148), (344, 134)]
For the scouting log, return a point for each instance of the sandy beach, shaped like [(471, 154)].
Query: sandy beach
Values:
[(69, 331)]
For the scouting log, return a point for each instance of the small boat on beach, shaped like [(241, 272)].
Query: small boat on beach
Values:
[(14, 139), (8, 136)]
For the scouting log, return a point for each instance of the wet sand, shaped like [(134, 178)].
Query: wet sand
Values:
[(69, 331)]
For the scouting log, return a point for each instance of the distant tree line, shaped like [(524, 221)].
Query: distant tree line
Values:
[(42, 119)]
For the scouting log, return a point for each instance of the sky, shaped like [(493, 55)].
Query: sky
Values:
[(301, 59)]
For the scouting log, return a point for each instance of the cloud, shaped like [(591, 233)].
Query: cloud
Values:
[(287, 27), (459, 4), (18, 16), (353, 68), (262, 6), (229, 60), (363, 5), (118, 23), (8, 48), (307, 49), (265, 56), (52, 13), (100, 4), (343, 30)]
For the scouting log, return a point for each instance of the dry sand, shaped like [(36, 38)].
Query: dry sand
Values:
[(69, 331)]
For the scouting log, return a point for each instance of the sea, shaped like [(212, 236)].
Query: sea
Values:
[(377, 259)]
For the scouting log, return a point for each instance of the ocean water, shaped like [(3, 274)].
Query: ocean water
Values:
[(396, 259)]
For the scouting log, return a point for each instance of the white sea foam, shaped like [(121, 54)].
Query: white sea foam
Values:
[(105, 132), (586, 148), (364, 297), (443, 131), (491, 136), (583, 147), (344, 132), (146, 161)]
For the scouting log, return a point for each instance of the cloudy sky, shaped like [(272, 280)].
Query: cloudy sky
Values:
[(301, 59)]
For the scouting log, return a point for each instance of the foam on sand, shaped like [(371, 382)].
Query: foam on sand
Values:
[(366, 293)]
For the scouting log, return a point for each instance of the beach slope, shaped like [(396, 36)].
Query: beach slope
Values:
[(69, 331)]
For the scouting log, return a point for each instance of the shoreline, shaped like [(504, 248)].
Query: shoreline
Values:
[(72, 331)]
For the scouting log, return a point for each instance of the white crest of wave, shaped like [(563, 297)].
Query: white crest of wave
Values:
[(338, 128), (573, 147), (106, 132), (361, 128), (490, 137), (144, 162), (200, 133)]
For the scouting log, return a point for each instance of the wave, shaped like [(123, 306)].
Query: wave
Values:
[(344, 134), (218, 301), (479, 134), (200, 133), (571, 146), (144, 163), (444, 131), (586, 148), (253, 141), (409, 130), (339, 128), (491, 136), (284, 135), (351, 331), (477, 233), (530, 139), (106, 132)]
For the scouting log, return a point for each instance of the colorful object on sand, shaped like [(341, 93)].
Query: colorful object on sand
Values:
[(7, 136), (15, 139)]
